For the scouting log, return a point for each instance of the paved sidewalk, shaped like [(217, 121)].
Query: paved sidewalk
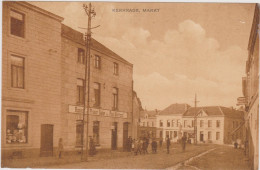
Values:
[(223, 158)]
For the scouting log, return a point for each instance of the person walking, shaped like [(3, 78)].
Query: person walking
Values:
[(168, 143), (154, 146), (183, 142), (60, 148)]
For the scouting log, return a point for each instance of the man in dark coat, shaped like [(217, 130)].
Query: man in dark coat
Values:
[(168, 143), (154, 146)]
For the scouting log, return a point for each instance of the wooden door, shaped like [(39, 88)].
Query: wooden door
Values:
[(46, 140)]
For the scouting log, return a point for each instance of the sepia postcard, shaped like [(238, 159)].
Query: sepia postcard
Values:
[(130, 85)]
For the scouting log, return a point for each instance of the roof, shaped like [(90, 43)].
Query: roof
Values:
[(78, 37), (215, 111), (150, 113), (175, 109)]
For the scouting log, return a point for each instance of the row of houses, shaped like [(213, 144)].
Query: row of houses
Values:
[(215, 124), (43, 78), (250, 88)]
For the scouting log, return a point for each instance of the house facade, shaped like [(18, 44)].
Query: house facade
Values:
[(43, 80), (214, 124), (31, 79), (147, 125), (170, 121), (251, 92)]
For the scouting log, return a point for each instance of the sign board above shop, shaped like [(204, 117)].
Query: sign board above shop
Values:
[(97, 112)]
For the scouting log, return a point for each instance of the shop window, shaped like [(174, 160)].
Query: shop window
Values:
[(16, 127), (17, 71), (115, 69), (79, 131), (96, 132), (97, 94), (17, 26), (81, 56), (115, 98), (80, 91), (97, 62)]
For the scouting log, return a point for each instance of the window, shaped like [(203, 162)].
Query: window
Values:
[(96, 132), (115, 69), (17, 23), (192, 123), (115, 98), (161, 134), (97, 62), (209, 123), (185, 123), (80, 91), (79, 130), (201, 123), (17, 72), (209, 135), (97, 94), (172, 123), (167, 134), (161, 123), (217, 135), (175, 134), (81, 56), (16, 127), (168, 123), (178, 122), (218, 123)]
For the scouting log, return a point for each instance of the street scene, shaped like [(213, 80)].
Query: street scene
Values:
[(117, 85)]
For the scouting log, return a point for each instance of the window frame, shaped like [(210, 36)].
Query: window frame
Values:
[(97, 104), (115, 98), (97, 62), (116, 69), (11, 71), (80, 59), (24, 14), (78, 92)]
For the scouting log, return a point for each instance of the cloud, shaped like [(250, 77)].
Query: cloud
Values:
[(185, 61)]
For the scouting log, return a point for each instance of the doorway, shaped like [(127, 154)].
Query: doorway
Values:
[(125, 136), (114, 136), (201, 136), (46, 140)]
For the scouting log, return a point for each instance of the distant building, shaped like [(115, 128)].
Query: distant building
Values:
[(214, 124), (147, 124), (169, 121), (137, 109), (250, 85)]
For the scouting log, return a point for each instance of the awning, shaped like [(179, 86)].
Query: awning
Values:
[(238, 128)]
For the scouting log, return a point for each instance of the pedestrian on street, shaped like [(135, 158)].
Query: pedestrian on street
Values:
[(129, 146), (160, 142), (92, 148), (154, 146), (60, 148), (168, 143), (183, 142)]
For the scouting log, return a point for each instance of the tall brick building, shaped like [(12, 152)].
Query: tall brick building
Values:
[(43, 68)]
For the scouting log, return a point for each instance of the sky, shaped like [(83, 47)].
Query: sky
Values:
[(183, 49)]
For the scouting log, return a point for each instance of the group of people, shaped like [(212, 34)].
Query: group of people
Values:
[(140, 145)]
